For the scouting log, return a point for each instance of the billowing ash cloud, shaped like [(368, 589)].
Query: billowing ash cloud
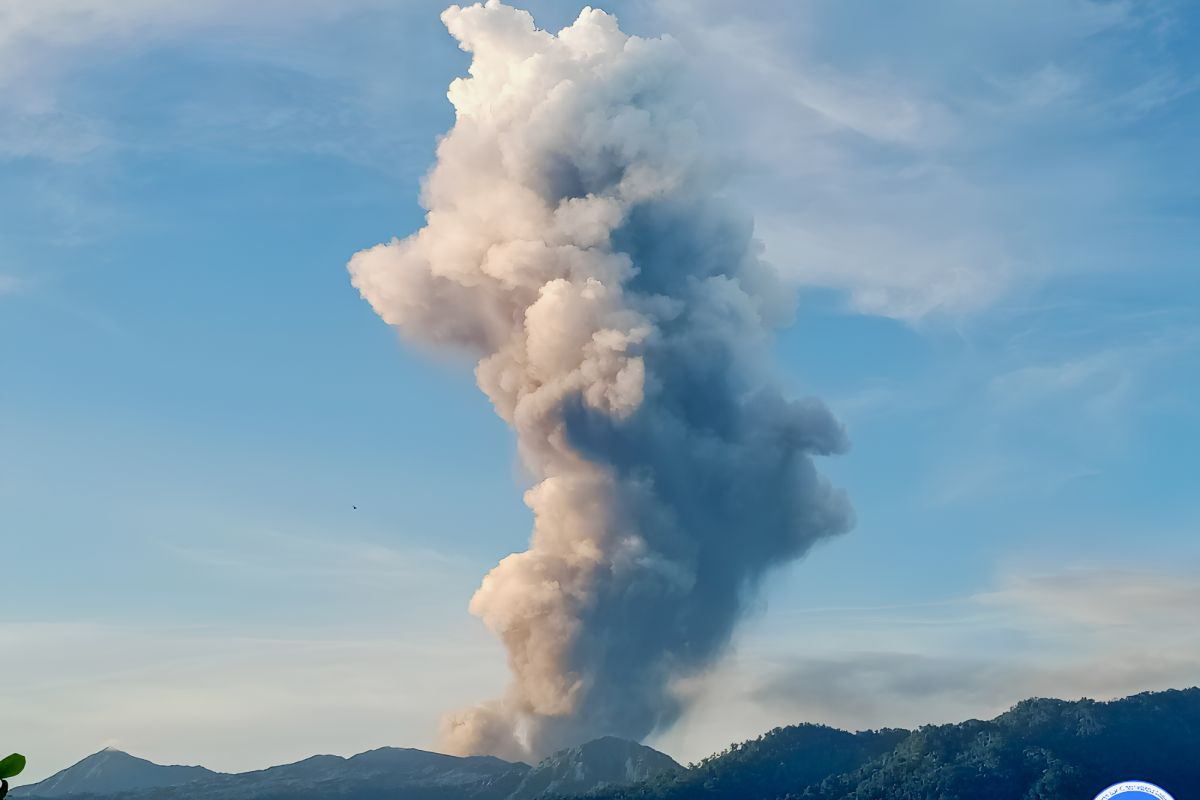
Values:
[(577, 242)]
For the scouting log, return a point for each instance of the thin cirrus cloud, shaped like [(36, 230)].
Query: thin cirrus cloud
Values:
[(920, 181), (1101, 600), (940, 181), (10, 284), (48, 48), (269, 553)]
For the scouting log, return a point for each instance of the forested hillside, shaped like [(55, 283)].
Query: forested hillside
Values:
[(1039, 750)]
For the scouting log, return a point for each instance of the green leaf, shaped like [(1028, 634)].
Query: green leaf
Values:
[(12, 765)]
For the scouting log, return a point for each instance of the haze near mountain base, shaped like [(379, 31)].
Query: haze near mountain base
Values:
[(578, 245)]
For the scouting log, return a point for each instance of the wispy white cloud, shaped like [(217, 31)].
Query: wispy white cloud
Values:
[(886, 269), (265, 553), (981, 475), (1050, 402), (1103, 601), (42, 43), (45, 47), (1105, 378), (890, 169), (10, 284), (917, 177), (1100, 381)]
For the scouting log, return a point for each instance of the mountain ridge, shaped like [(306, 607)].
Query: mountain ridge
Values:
[(113, 770), (374, 773), (1040, 749)]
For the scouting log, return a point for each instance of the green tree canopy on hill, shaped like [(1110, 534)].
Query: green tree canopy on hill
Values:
[(1038, 750)]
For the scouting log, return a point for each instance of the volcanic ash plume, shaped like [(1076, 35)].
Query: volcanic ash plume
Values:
[(577, 243)]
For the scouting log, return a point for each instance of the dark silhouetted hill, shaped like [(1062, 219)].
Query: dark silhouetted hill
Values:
[(1038, 750), (383, 774), (111, 772), (769, 766)]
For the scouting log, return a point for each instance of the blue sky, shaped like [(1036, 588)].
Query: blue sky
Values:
[(991, 211)]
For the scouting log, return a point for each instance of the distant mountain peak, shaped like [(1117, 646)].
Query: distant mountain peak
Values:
[(112, 771), (607, 761)]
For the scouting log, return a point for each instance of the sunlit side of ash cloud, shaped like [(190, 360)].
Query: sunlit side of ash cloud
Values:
[(577, 243)]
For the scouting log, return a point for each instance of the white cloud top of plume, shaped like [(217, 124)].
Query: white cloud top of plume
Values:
[(578, 244)]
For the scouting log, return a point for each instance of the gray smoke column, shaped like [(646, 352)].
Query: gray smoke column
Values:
[(578, 244)]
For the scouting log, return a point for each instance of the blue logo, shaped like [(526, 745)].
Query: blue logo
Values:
[(1134, 790)]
